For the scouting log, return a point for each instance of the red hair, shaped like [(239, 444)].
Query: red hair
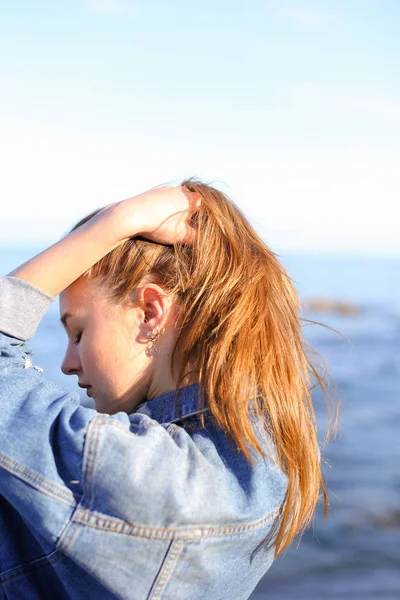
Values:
[(240, 330)]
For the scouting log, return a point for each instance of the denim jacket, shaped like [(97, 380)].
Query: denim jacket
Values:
[(150, 505)]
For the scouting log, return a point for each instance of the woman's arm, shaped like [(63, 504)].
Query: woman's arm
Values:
[(50, 459), (58, 266), (159, 214)]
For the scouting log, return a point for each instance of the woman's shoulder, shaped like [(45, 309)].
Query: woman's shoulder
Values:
[(211, 458)]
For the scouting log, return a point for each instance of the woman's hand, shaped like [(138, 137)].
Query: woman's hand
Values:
[(161, 215)]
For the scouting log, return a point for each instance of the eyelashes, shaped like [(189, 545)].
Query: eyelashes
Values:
[(78, 339)]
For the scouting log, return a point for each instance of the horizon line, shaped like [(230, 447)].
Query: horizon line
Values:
[(289, 252)]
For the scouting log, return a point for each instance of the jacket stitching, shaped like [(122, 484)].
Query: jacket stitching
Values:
[(90, 451), (37, 481), (120, 427), (167, 568), (98, 521), (173, 430), (67, 538)]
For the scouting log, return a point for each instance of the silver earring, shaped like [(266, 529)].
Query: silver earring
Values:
[(153, 336)]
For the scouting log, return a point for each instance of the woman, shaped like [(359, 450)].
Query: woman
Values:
[(200, 461)]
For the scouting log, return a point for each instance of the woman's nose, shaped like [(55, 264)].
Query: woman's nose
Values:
[(71, 364)]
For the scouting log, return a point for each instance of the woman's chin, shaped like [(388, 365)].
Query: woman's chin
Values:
[(101, 405)]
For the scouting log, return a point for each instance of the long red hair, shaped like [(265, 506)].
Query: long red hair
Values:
[(240, 330)]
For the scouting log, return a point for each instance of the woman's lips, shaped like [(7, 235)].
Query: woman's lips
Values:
[(85, 387)]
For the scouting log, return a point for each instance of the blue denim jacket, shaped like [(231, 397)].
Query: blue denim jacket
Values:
[(149, 505)]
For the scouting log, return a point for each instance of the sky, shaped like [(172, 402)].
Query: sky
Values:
[(292, 108)]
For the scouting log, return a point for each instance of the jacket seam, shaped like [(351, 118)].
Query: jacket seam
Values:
[(38, 482), (173, 429), (167, 567), (89, 456), (98, 521), (67, 537)]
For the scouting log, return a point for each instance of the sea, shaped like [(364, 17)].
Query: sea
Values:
[(355, 551)]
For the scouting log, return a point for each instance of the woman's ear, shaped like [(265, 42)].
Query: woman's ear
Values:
[(155, 305)]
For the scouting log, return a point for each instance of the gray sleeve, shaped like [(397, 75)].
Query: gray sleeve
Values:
[(22, 306)]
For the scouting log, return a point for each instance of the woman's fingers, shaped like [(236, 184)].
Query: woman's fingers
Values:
[(194, 198), (161, 214), (164, 215)]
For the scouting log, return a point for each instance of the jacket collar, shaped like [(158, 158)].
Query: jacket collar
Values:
[(163, 408)]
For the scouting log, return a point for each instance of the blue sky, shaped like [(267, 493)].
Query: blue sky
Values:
[(293, 108)]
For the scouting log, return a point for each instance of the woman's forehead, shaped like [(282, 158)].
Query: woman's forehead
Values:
[(87, 297), (82, 292)]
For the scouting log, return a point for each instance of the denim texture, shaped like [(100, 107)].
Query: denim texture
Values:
[(145, 506)]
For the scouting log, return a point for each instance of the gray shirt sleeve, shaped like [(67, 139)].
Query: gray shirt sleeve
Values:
[(22, 307)]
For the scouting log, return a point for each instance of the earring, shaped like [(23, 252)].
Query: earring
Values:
[(153, 336)]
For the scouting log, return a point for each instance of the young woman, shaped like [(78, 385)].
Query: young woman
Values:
[(200, 461)]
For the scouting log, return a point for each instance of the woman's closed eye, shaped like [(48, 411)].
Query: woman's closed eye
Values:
[(78, 339)]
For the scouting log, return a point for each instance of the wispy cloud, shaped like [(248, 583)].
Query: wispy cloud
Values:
[(110, 7), (356, 101), (309, 16)]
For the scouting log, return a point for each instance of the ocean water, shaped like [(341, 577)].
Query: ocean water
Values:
[(355, 551)]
